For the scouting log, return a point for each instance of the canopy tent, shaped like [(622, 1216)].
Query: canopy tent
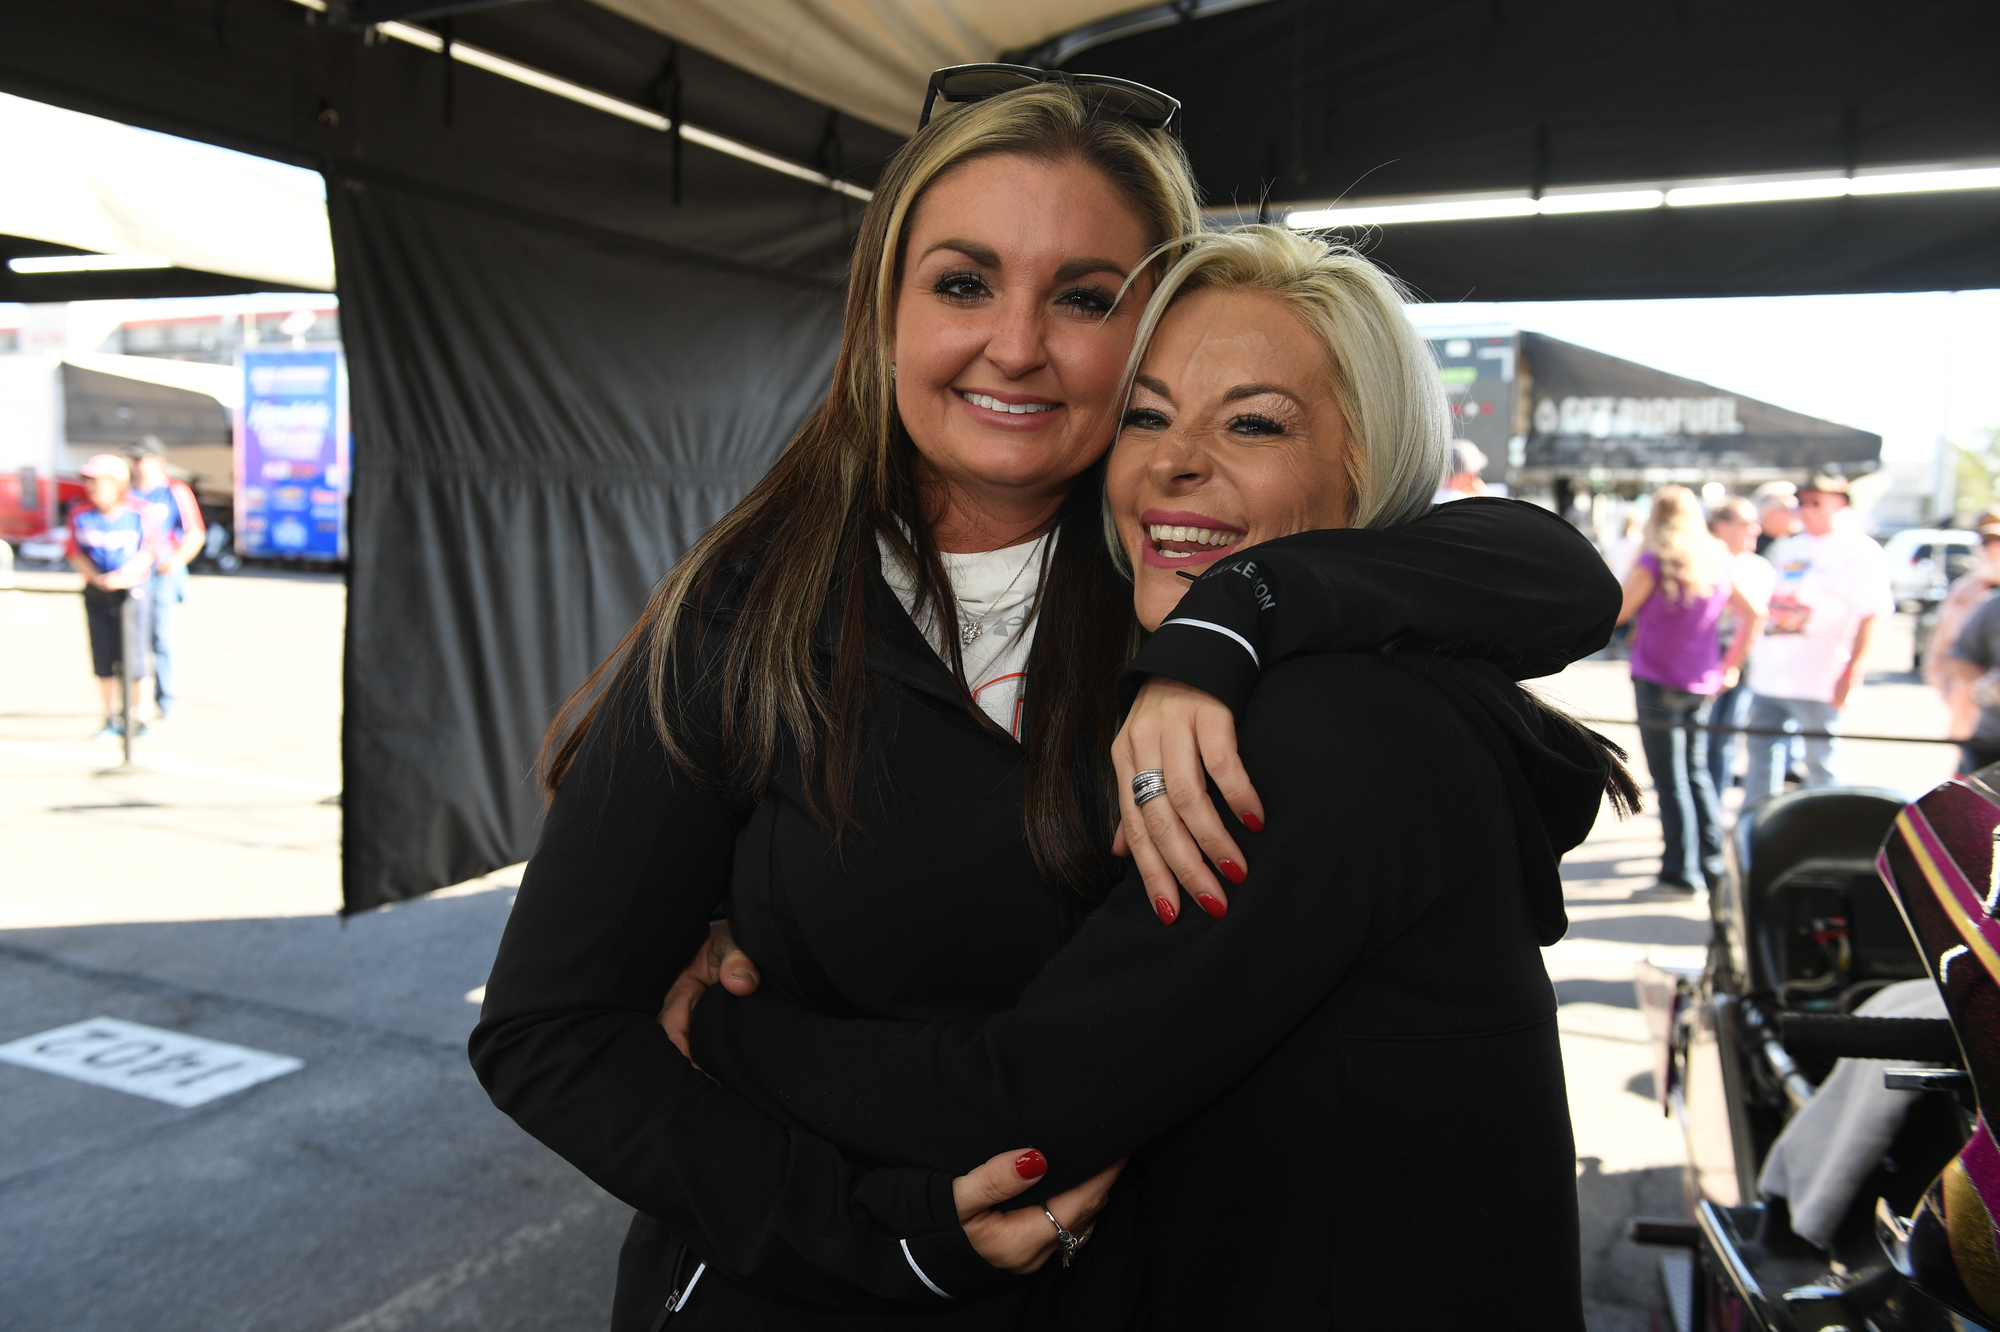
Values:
[(1589, 413), (589, 255)]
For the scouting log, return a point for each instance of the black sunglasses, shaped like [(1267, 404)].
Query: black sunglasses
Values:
[(1148, 108)]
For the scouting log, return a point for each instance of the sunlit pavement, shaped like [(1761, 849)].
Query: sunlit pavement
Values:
[(375, 1189)]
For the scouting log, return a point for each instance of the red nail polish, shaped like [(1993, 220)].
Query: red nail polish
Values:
[(1231, 871), (1251, 821), (1031, 1164), (1212, 905), (1165, 910)]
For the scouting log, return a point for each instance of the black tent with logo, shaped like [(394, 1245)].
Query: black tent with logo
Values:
[(579, 328)]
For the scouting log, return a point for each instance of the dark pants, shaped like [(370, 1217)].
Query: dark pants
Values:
[(1732, 706), (1677, 757), (104, 614)]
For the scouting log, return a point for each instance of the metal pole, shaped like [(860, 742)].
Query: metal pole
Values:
[(127, 633)]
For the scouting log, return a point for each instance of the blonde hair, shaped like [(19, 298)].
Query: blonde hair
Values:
[(1384, 375), (1677, 535), (806, 532)]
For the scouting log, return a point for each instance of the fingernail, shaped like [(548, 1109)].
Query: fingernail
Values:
[(1212, 905), (1231, 871), (1251, 821), (1165, 910), (1031, 1164)]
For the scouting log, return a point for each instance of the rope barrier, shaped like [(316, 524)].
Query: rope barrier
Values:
[(1662, 724)]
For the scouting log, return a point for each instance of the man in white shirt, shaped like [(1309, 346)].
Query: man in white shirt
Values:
[(1832, 583), (1461, 476)]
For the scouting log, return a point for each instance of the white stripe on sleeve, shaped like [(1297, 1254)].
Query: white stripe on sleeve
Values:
[(911, 1259), (1227, 633)]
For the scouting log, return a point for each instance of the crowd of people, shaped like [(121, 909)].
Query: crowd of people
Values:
[(1750, 622), (132, 538)]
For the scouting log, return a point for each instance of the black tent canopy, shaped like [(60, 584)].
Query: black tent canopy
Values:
[(576, 336)]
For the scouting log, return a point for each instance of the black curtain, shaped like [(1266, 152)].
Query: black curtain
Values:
[(544, 418)]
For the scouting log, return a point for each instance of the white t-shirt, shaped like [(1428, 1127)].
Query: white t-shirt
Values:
[(1825, 587), (995, 591), (1754, 578)]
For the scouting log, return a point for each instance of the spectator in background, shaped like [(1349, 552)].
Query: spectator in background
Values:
[(1462, 473), (1967, 592), (1832, 583), (112, 543), (177, 521), (1777, 512), (1676, 594), (1734, 523), (1973, 663)]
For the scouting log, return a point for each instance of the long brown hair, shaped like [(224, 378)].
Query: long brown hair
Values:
[(805, 534)]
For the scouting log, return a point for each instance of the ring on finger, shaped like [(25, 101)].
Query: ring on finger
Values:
[(1148, 785), (1070, 1243)]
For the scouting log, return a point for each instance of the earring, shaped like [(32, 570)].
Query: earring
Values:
[(892, 369)]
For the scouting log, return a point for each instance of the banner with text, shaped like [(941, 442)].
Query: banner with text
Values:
[(292, 455)]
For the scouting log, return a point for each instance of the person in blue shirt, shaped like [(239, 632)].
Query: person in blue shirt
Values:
[(177, 517), (113, 544)]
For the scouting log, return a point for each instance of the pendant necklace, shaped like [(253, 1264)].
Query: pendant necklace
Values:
[(969, 629)]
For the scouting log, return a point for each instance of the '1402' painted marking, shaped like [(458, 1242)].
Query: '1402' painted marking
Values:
[(168, 1066)]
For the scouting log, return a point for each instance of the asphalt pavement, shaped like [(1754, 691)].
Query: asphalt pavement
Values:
[(374, 1189)]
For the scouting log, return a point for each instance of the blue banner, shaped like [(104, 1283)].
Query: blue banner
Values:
[(292, 455)]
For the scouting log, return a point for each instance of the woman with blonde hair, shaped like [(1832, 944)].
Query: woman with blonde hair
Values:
[(1675, 597), (868, 718), (1291, 1081)]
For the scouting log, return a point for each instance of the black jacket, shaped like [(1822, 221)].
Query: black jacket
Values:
[(931, 911)]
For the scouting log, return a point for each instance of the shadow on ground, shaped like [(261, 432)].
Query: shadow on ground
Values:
[(1621, 1279), (374, 1190)]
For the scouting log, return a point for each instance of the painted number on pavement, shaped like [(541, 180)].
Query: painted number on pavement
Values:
[(168, 1066)]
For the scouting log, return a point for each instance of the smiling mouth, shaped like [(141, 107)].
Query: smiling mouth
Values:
[(993, 404), (1179, 541)]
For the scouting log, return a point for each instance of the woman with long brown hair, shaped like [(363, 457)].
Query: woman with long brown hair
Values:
[(868, 719)]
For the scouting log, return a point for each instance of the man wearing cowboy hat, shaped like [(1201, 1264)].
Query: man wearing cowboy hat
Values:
[(1832, 584)]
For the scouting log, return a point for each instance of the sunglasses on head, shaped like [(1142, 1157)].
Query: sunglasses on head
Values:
[(1148, 108)]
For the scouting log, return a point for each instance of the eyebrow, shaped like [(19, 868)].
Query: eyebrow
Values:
[(983, 255), (1152, 385), (1242, 391), (1077, 268)]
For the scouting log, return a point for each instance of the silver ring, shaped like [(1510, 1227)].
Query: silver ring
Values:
[(1070, 1243), (1149, 785)]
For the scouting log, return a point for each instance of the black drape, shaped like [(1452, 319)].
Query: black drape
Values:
[(543, 420)]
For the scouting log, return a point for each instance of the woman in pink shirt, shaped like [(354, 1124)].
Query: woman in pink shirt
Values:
[(1676, 594)]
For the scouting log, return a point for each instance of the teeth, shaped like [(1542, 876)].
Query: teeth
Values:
[(1206, 536), (1014, 408)]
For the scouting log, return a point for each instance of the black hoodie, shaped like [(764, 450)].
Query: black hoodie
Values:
[(1346, 1097)]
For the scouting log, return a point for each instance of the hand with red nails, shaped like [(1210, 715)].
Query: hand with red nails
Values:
[(1190, 736), (718, 961), (1022, 1240)]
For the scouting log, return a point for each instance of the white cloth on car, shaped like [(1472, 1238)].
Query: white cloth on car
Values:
[(1828, 1148)]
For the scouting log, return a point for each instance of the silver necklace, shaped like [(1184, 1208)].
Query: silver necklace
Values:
[(969, 630)]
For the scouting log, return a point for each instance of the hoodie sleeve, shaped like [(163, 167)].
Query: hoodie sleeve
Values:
[(1485, 577)]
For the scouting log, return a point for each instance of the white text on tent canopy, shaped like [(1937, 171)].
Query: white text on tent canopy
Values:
[(1637, 418)]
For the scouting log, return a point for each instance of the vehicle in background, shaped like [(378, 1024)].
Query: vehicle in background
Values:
[(24, 510), (1923, 562)]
